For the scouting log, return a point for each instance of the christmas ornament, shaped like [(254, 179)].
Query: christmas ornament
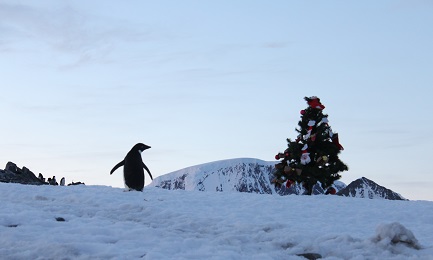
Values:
[(330, 133), (279, 165), (289, 183), (305, 158), (324, 120), (311, 123), (331, 191), (282, 155), (289, 170), (336, 141), (313, 138), (302, 112), (324, 159), (314, 102), (276, 182)]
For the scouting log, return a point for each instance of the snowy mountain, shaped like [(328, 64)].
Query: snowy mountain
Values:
[(255, 176), (234, 175), (365, 188), (240, 175)]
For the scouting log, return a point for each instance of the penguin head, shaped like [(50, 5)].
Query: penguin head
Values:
[(140, 147)]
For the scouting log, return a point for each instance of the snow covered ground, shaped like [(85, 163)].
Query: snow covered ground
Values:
[(106, 223)]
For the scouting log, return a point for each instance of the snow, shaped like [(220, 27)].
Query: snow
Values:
[(107, 223)]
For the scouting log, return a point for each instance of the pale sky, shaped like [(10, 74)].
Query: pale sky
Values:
[(201, 81)]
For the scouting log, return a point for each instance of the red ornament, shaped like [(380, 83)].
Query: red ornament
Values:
[(302, 112), (314, 102), (336, 141), (289, 183), (280, 156), (313, 138), (331, 191)]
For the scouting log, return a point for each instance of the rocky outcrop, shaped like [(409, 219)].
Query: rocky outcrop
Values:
[(13, 174)]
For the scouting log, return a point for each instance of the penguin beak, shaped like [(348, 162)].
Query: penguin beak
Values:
[(145, 147)]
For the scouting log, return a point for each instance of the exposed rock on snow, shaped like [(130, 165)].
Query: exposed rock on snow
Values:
[(365, 188), (310, 256), (13, 174)]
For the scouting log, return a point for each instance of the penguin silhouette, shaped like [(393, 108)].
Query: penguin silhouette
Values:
[(133, 168)]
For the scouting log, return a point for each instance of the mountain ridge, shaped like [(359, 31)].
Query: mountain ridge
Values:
[(231, 175), (255, 176)]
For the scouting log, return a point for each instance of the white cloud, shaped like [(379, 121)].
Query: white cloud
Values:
[(64, 30)]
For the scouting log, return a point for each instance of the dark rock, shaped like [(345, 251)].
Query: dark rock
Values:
[(13, 174), (76, 183), (12, 167), (14, 225), (310, 256)]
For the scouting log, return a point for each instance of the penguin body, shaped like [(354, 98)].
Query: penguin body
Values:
[(62, 181), (133, 168)]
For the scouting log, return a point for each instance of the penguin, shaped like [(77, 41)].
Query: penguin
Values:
[(133, 168), (41, 177)]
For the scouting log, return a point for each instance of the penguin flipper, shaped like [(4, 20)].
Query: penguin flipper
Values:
[(117, 166), (147, 169)]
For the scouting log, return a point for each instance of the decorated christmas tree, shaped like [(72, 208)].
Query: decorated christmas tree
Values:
[(313, 156)]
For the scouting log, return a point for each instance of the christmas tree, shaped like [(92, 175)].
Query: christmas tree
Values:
[(313, 156)]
